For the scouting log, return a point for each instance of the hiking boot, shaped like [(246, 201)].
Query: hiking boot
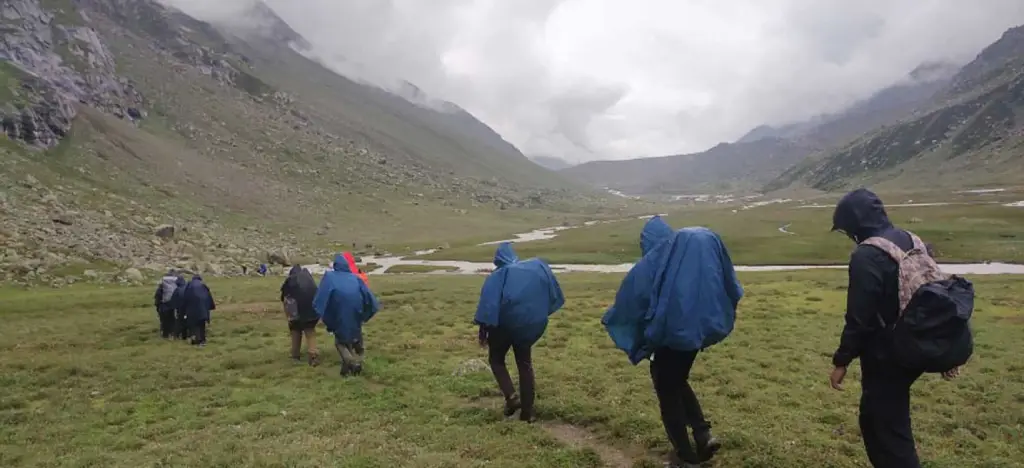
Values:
[(512, 405), (682, 465), (314, 360), (707, 445), (527, 417)]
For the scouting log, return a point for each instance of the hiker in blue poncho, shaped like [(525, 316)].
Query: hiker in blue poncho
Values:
[(679, 299), (198, 302), (178, 302), (515, 302), (345, 303)]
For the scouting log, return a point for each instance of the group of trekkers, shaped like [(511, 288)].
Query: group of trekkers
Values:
[(183, 308), (904, 318), (343, 301)]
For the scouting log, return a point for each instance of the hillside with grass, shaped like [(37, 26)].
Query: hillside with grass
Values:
[(137, 138), (970, 133)]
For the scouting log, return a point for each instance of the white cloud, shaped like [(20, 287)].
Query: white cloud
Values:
[(595, 79)]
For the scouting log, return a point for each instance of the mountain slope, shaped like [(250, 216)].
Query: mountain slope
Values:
[(551, 162), (766, 152), (971, 133), (884, 107), (726, 167), (124, 117)]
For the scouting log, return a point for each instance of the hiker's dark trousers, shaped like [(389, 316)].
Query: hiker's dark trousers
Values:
[(166, 315), (498, 344), (199, 333), (885, 415), (670, 372), (182, 331)]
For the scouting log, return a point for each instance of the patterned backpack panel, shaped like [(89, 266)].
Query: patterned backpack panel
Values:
[(916, 267)]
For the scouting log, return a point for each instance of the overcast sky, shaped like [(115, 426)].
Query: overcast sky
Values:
[(614, 79)]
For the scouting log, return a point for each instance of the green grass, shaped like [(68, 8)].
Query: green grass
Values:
[(87, 382), (961, 233), (419, 269)]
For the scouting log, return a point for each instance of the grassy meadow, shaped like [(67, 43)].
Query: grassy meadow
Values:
[(961, 233), (88, 382)]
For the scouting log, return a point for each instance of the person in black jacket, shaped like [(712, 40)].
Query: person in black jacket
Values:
[(297, 295), (872, 302)]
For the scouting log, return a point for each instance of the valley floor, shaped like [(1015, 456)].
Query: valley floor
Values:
[(88, 382)]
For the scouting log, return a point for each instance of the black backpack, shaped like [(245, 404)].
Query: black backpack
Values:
[(933, 331)]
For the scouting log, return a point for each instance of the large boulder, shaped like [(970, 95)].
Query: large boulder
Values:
[(278, 258), (134, 275), (164, 231)]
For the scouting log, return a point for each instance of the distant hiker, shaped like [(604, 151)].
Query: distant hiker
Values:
[(894, 281), (178, 301), (678, 300), (345, 303), (515, 302), (297, 295), (162, 299), (198, 302), (262, 271)]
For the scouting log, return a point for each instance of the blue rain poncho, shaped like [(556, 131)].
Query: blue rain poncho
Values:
[(344, 302), (682, 294), (518, 297)]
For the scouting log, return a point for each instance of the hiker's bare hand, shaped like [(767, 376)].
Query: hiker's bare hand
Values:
[(952, 373), (836, 379)]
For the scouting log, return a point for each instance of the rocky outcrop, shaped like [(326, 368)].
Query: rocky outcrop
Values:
[(53, 59)]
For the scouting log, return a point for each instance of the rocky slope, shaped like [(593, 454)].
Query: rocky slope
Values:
[(139, 138), (971, 130)]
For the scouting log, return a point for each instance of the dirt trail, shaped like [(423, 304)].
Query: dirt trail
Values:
[(579, 437)]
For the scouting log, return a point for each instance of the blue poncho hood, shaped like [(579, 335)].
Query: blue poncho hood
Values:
[(344, 302), (505, 255), (655, 231), (340, 264), (518, 297), (682, 294)]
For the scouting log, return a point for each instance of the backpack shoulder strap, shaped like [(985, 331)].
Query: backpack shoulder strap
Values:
[(918, 243), (888, 247)]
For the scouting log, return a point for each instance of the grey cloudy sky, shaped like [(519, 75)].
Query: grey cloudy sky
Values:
[(613, 79)]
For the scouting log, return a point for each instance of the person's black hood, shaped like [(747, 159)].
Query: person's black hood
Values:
[(296, 269), (860, 214)]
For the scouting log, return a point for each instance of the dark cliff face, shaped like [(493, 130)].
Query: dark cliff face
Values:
[(53, 59)]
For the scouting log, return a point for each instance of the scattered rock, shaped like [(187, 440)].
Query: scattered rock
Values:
[(165, 231), (278, 258), (66, 218), (133, 274), (471, 366)]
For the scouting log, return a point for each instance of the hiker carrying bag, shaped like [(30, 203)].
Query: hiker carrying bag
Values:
[(291, 308), (168, 285), (933, 331)]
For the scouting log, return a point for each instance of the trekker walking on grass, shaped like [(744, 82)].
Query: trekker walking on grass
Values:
[(904, 317), (297, 295), (345, 303), (198, 302), (178, 303), (515, 302), (678, 300), (163, 300)]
